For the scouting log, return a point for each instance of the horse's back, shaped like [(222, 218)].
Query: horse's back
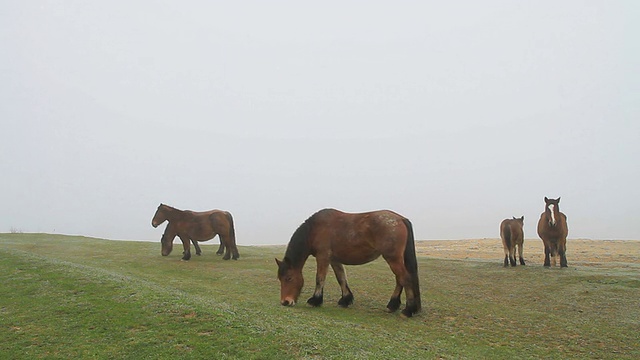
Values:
[(357, 238), (350, 225)]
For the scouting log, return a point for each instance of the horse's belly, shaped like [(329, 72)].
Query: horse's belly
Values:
[(355, 258), (202, 236)]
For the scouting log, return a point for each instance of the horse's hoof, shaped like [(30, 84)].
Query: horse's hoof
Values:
[(345, 301), (406, 313), (315, 301), (394, 304)]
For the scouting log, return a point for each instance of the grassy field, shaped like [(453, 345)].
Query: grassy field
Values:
[(74, 297)]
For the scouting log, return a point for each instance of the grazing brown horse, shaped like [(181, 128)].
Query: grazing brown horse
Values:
[(336, 238), (553, 230), (512, 235), (196, 226)]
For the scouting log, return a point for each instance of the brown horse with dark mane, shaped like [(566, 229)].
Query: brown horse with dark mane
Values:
[(191, 226), (336, 238), (553, 230), (512, 235)]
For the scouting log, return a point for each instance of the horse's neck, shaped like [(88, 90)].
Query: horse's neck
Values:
[(173, 214), (298, 249)]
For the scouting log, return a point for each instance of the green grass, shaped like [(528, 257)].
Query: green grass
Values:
[(74, 297)]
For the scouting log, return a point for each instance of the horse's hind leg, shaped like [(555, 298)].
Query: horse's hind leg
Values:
[(506, 256), (403, 280), (231, 250), (512, 256), (341, 276), (221, 248), (186, 244), (224, 244), (395, 302), (195, 244), (520, 253)]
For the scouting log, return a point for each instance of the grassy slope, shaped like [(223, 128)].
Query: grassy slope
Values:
[(66, 297)]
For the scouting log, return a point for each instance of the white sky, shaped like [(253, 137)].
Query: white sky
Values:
[(455, 114)]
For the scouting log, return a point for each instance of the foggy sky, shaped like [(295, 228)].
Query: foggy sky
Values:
[(454, 114)]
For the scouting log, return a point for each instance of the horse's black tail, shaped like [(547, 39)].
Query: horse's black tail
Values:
[(411, 263), (232, 228), (506, 235)]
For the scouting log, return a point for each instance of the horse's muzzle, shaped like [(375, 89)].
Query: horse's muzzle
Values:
[(287, 302)]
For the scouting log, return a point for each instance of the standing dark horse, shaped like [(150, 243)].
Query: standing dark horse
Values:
[(196, 226), (552, 229), (512, 235), (336, 238)]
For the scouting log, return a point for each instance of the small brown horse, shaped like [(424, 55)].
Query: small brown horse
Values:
[(336, 238), (196, 226), (553, 230), (512, 235)]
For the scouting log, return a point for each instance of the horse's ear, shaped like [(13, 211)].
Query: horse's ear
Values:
[(514, 218), (278, 262), (522, 218), (545, 199), (558, 199)]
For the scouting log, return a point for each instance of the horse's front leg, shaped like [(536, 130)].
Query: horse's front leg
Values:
[(547, 251), (186, 243), (341, 276), (195, 244), (562, 251), (321, 275)]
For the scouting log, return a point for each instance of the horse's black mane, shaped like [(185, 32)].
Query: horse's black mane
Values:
[(170, 207), (298, 249)]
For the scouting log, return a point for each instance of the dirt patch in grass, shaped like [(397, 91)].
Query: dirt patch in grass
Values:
[(580, 252)]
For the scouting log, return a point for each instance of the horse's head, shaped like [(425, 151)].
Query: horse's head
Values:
[(160, 216), (167, 245), (291, 282), (552, 209), (520, 219)]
